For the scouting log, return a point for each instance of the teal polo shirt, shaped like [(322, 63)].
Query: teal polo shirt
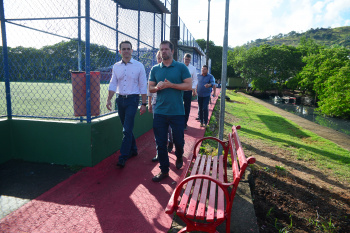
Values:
[(169, 100)]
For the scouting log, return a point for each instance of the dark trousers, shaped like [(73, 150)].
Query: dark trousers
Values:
[(170, 134), (127, 108), (187, 98), (203, 103), (160, 128)]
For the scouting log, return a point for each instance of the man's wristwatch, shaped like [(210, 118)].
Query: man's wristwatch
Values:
[(144, 104)]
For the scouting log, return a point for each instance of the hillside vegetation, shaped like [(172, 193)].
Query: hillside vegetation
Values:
[(323, 36)]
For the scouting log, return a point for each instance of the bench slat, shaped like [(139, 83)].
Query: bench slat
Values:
[(212, 193), (186, 194), (235, 168), (194, 198), (201, 206), (220, 213)]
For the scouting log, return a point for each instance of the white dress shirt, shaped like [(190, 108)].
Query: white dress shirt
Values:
[(128, 79), (193, 72), (153, 95)]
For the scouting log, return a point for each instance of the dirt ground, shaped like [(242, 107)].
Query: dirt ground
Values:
[(300, 197)]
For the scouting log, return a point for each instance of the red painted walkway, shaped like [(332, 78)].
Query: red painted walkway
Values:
[(105, 198)]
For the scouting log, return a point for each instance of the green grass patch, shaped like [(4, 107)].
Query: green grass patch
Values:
[(260, 123)]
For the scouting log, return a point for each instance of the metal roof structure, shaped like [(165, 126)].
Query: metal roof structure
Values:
[(154, 6), (190, 49)]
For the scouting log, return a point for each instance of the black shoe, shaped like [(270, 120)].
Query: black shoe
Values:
[(197, 118), (155, 158), (160, 176), (185, 128), (170, 146), (121, 163), (179, 162)]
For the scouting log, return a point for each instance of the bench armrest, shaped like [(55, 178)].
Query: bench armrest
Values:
[(173, 202)]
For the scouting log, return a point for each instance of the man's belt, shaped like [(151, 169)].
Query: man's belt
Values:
[(127, 96)]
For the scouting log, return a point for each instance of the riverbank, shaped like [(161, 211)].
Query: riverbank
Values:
[(339, 138), (292, 193)]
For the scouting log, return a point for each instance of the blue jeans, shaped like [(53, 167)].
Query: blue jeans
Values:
[(187, 98), (160, 128), (203, 103), (127, 108)]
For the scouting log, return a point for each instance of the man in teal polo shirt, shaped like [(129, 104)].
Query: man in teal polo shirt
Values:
[(169, 79)]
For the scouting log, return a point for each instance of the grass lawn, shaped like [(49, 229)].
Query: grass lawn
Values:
[(44, 99), (261, 124)]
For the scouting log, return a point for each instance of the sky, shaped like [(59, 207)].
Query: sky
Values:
[(248, 19), (259, 19)]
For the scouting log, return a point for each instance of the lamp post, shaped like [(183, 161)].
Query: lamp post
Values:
[(223, 77), (207, 55), (174, 27)]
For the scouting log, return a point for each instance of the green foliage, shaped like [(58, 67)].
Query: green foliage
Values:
[(322, 224), (215, 54), (266, 67), (280, 168), (335, 96), (322, 72), (323, 36), (54, 62), (327, 76)]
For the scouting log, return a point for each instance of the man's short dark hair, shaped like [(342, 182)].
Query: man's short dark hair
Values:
[(205, 67), (124, 42), (188, 55), (171, 45)]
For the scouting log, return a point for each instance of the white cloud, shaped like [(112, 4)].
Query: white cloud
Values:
[(254, 19), (333, 12)]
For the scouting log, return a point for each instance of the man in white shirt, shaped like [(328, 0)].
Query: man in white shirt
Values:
[(187, 96), (129, 81)]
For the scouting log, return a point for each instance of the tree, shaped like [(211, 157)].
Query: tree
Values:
[(326, 76), (266, 66), (286, 62), (215, 54), (237, 60), (335, 97), (54, 62)]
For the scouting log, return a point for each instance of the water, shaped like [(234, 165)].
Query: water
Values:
[(311, 114)]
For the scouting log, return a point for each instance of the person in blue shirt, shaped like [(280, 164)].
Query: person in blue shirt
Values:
[(169, 79), (204, 86)]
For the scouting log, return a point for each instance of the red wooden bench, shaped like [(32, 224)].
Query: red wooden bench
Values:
[(203, 199)]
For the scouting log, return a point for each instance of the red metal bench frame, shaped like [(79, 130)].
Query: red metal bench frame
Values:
[(205, 212)]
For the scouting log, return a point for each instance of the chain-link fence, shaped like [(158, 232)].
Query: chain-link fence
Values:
[(45, 40), (188, 44), (52, 53)]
